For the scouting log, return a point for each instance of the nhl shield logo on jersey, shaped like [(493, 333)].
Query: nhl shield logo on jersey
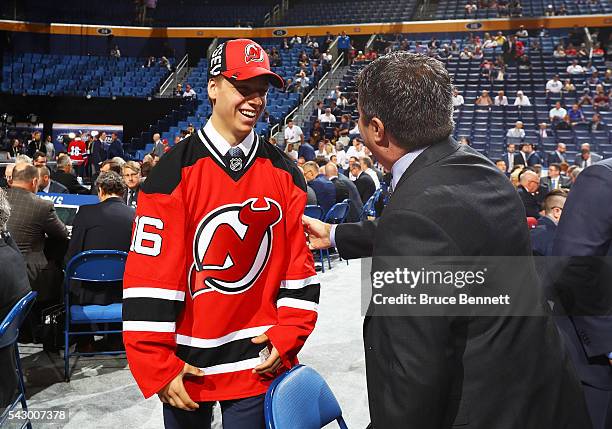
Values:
[(232, 245), (253, 53), (235, 164)]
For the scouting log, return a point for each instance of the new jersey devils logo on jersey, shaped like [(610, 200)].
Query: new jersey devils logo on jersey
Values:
[(232, 245), (253, 52)]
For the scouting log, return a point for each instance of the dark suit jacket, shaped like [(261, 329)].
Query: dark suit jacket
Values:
[(531, 203), (57, 188), (356, 205), (325, 191), (116, 149), (98, 154), (366, 186), (134, 202), (564, 182), (594, 158), (14, 287), (307, 151), (553, 157), (32, 218), (506, 158), (585, 230), (542, 237), (501, 372), (104, 226), (70, 182)]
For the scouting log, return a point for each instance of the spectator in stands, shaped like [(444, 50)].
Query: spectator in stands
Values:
[(115, 52), (522, 32), (158, 148), (559, 52), (598, 50), (164, 62), (585, 99), (570, 50), (293, 133), (586, 158), (558, 156), (516, 133), (16, 148), (291, 151), (39, 159), (150, 62), (530, 193), (302, 81), (501, 99), (568, 86), (593, 79), (316, 133), (47, 185), (64, 175), (8, 175), (549, 11), (576, 115), (320, 152), (341, 157), (345, 189), (501, 165), (367, 166), (32, 223), (554, 85), (543, 130), (178, 92), (471, 8), (527, 156), (465, 54), (521, 99), (335, 110), (596, 124), (36, 144), (357, 149), (364, 182), (189, 93), (484, 99), (116, 147), (583, 51), (575, 68), (335, 93), (306, 151), (601, 101), (509, 156), (557, 113), (327, 117), (342, 102), (323, 187), (543, 236), (554, 180), (458, 100), (516, 10), (573, 173), (132, 177), (344, 44)]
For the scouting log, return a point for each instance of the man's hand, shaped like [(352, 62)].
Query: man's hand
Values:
[(270, 365), (174, 393), (318, 233)]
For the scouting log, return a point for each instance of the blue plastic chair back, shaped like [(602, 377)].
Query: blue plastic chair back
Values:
[(97, 266), (337, 213), (301, 399), (9, 328), (369, 206), (315, 212)]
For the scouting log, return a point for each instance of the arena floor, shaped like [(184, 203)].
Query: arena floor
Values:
[(103, 394)]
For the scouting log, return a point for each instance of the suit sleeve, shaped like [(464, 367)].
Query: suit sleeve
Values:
[(78, 235), (53, 226), (298, 295), (585, 234), (154, 288), (356, 240)]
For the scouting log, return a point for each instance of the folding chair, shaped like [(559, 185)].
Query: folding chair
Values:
[(9, 331), (301, 399), (101, 266), (336, 215), (316, 212)]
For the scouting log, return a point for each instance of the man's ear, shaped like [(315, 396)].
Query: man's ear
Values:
[(213, 86), (377, 129)]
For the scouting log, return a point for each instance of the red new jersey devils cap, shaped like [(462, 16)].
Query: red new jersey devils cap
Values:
[(242, 59)]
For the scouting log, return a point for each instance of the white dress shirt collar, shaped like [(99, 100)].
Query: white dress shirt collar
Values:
[(222, 145), (402, 164), (46, 188)]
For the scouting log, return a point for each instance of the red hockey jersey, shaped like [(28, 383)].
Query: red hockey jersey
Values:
[(77, 150), (218, 256)]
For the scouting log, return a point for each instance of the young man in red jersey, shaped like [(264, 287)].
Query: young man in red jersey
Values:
[(220, 291)]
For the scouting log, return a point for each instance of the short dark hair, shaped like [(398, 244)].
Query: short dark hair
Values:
[(556, 165), (114, 166), (110, 183), (38, 154), (24, 173), (420, 85), (367, 161)]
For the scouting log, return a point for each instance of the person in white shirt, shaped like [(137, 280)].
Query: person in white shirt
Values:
[(501, 99), (341, 157), (296, 39), (575, 68), (291, 151), (457, 98), (302, 79), (543, 130), (293, 133), (557, 113), (327, 116), (366, 167), (356, 150), (335, 93), (189, 92), (554, 85), (521, 99), (517, 132)]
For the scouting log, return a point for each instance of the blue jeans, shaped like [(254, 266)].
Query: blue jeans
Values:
[(246, 413)]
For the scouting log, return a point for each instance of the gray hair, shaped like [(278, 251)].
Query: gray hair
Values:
[(5, 210), (575, 172), (63, 162), (111, 183), (411, 94), (23, 159)]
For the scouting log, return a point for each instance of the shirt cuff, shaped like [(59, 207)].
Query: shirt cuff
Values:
[(332, 235)]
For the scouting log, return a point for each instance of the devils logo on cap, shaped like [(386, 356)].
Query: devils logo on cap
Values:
[(253, 53)]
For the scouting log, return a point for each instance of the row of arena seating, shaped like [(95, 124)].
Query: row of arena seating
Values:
[(45, 74), (321, 12), (455, 9), (121, 12), (487, 126), (279, 103)]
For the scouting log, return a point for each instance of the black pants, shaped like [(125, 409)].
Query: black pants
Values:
[(599, 403), (247, 413)]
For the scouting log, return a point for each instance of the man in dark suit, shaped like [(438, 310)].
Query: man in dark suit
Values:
[(586, 158), (97, 154), (14, 287), (306, 151), (558, 156), (531, 193), (500, 371), (64, 175), (324, 189), (542, 236), (47, 185), (527, 156), (509, 156), (364, 183), (584, 287), (116, 147), (132, 177), (554, 180), (345, 189)]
